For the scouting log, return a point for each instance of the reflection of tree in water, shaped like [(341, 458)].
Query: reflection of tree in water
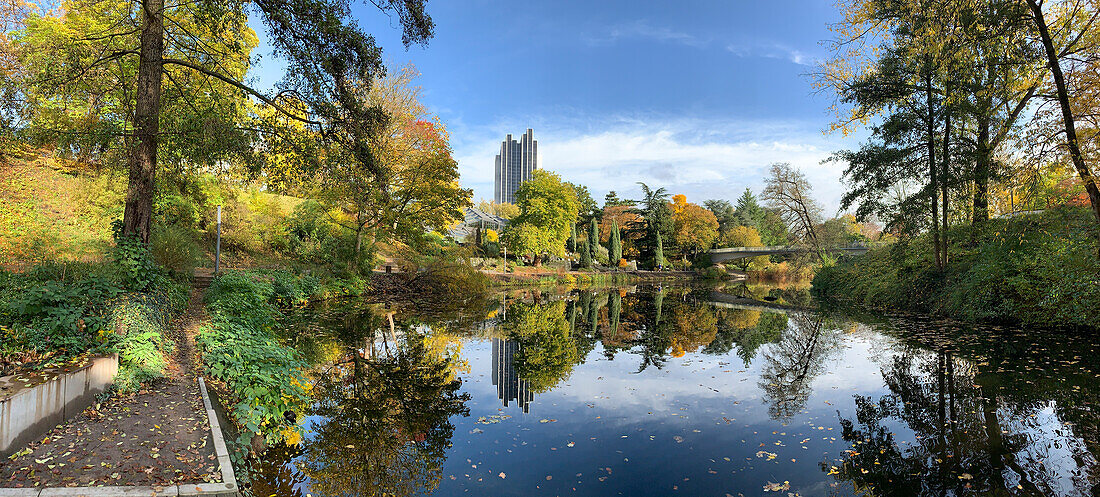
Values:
[(385, 423), (695, 327), (546, 350), (275, 473), (748, 330), (794, 362), (962, 447)]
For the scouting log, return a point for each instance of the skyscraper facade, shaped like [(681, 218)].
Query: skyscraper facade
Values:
[(514, 164)]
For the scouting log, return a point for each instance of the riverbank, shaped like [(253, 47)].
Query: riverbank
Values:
[(530, 278), (1033, 270)]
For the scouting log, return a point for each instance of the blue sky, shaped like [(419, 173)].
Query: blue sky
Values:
[(697, 97)]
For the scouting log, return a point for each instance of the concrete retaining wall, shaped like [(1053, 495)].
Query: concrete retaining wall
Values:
[(32, 404)]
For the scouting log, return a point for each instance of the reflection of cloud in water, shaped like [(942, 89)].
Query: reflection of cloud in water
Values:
[(1054, 457)]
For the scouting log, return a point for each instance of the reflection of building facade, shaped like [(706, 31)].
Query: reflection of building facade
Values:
[(514, 164), (509, 385)]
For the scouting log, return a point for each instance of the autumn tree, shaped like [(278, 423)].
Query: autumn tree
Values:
[(547, 209), (744, 236), (695, 228), (1074, 27), (504, 209), (624, 217), (150, 41)]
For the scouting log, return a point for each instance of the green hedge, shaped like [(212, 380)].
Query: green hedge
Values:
[(1035, 270), (239, 348)]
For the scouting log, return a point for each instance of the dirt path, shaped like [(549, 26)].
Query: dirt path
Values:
[(157, 436)]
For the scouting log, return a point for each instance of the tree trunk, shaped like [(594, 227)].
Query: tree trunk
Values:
[(932, 167), (137, 218), (983, 166), (945, 173), (1067, 113)]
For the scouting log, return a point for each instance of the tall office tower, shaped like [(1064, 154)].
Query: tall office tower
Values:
[(509, 385), (514, 165)]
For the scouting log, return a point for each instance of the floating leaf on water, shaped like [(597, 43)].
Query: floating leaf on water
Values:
[(777, 487)]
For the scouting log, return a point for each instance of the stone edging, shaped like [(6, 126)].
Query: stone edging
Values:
[(227, 488)]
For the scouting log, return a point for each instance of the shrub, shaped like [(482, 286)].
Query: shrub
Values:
[(60, 311), (265, 378), (1037, 270), (174, 248), (139, 325)]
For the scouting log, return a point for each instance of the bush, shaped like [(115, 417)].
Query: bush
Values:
[(1037, 270), (310, 235), (174, 248), (59, 311), (265, 378), (139, 323)]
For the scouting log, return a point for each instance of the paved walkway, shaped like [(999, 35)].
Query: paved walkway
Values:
[(158, 436)]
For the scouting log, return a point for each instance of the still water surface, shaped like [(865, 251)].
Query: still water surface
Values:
[(683, 391)]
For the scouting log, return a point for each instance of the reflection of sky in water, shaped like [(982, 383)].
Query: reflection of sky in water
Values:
[(708, 424), (692, 427)]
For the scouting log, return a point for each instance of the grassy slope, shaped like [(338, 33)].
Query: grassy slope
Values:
[(50, 211), (1037, 270)]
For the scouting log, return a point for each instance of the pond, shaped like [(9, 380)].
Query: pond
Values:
[(683, 390)]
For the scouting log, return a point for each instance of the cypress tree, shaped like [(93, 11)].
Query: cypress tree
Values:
[(616, 244), (586, 255), (659, 255), (573, 239), (593, 237)]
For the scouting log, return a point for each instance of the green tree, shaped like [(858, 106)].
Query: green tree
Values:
[(616, 244), (547, 350), (586, 254), (749, 212), (724, 212), (656, 221), (393, 410), (612, 200), (659, 253), (593, 237), (548, 207), (587, 208)]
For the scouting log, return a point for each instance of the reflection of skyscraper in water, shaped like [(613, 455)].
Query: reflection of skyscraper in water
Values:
[(509, 385)]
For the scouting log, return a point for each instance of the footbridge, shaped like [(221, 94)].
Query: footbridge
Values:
[(731, 253)]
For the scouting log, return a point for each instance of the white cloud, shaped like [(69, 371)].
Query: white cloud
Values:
[(700, 158), (641, 29), (772, 51)]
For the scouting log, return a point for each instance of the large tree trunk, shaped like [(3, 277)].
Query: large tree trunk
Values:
[(932, 166), (137, 218), (1067, 112)]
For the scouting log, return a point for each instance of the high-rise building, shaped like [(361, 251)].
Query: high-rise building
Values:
[(514, 164)]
